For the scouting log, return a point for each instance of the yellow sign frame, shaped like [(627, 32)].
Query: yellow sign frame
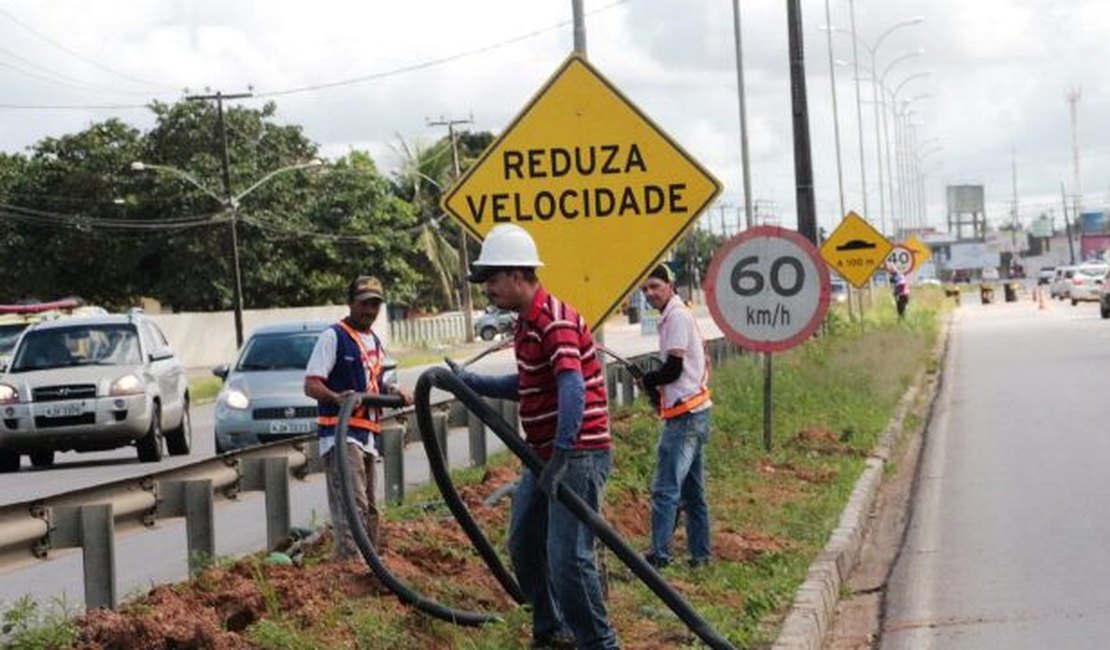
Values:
[(601, 188), (855, 250)]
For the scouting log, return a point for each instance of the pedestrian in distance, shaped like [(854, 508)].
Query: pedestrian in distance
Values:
[(349, 358), (684, 405), (901, 288), (564, 412)]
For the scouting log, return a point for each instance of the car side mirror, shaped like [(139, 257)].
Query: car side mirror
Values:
[(222, 371), (160, 355)]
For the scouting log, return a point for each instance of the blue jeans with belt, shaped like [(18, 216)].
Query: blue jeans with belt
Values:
[(680, 483), (553, 554)]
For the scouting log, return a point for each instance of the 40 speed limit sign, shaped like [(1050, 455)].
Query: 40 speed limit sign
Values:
[(902, 259), (768, 289)]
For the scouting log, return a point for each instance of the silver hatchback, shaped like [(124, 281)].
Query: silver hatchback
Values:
[(263, 394), (92, 384)]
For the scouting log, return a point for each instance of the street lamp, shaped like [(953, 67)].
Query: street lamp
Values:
[(230, 204), (872, 51)]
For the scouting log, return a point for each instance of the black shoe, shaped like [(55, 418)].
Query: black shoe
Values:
[(655, 560), (697, 562), (554, 642)]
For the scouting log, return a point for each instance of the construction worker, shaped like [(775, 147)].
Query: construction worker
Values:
[(564, 411), (684, 405), (348, 358)]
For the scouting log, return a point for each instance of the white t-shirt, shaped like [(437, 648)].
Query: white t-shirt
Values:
[(320, 365), (679, 331)]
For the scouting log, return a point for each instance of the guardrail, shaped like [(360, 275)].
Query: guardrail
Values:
[(91, 518), (432, 329)]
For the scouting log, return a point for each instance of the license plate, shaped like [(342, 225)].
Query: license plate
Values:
[(290, 427), (63, 410)]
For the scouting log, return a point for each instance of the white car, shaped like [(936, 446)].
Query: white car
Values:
[(1061, 284), (91, 384), (1087, 282)]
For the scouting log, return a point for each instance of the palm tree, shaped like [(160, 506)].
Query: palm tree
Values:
[(424, 173)]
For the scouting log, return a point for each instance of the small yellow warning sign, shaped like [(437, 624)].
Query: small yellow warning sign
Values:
[(855, 249)]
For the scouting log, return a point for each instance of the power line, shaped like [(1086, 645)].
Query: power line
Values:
[(71, 52), (60, 79)]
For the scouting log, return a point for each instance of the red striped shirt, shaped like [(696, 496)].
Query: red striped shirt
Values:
[(550, 339)]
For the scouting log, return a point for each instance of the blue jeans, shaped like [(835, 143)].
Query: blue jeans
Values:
[(553, 554), (680, 483)]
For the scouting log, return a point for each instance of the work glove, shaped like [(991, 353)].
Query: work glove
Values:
[(553, 472)]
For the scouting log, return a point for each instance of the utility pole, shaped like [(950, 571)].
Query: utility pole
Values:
[(1067, 222), (1073, 100), (803, 163), (464, 258), (229, 205), (745, 161), (1014, 210)]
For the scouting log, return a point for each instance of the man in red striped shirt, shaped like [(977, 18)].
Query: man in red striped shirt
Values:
[(564, 411)]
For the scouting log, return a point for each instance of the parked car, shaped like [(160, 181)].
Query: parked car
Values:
[(262, 399), (838, 290), (1046, 274), (1086, 283), (92, 384), (494, 321), (1061, 283)]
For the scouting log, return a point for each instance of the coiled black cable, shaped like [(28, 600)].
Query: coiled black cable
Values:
[(403, 592)]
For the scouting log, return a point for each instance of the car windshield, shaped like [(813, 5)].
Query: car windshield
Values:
[(9, 334), (1093, 271), (284, 351), (81, 345)]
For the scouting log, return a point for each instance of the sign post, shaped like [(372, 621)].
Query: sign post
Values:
[(768, 291)]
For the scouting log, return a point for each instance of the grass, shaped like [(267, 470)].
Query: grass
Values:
[(25, 625), (203, 388), (772, 511)]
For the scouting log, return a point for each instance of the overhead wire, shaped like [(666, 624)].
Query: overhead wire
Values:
[(78, 55)]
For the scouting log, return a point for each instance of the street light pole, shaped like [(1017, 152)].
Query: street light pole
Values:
[(745, 162), (836, 114), (237, 283), (230, 203), (859, 106), (894, 214)]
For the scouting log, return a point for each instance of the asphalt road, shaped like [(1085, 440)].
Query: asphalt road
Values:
[(1008, 540)]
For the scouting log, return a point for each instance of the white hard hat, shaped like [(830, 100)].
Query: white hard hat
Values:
[(506, 246)]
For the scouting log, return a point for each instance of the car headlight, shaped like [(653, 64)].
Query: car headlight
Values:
[(236, 399), (8, 394), (126, 385)]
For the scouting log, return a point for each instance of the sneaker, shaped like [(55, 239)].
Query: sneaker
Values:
[(655, 560), (697, 562)]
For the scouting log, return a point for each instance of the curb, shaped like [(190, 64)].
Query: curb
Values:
[(815, 602)]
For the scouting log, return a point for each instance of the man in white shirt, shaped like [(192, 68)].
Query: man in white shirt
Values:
[(348, 358), (683, 384)]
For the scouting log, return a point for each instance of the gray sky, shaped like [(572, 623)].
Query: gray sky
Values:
[(998, 73)]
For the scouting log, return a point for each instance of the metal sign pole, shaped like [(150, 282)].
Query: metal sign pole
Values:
[(768, 374)]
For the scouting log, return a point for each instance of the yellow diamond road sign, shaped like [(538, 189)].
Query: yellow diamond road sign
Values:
[(921, 252), (602, 190), (855, 250)]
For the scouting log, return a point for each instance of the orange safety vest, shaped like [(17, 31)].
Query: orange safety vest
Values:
[(362, 416)]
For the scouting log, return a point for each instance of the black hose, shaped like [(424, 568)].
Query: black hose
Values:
[(403, 592), (442, 476), (443, 379)]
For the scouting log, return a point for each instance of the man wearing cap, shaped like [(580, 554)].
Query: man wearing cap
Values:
[(684, 406), (564, 411), (348, 358)]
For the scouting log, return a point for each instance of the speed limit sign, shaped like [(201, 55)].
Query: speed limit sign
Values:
[(901, 258), (768, 289)]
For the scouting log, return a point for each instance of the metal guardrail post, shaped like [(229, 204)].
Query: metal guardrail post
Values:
[(439, 420), (476, 431), (271, 475), (611, 380), (92, 528), (393, 465), (195, 501), (628, 387), (510, 410)]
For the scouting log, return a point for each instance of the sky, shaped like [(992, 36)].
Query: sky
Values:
[(989, 81)]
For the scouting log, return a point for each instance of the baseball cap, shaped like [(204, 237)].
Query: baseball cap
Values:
[(365, 287)]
